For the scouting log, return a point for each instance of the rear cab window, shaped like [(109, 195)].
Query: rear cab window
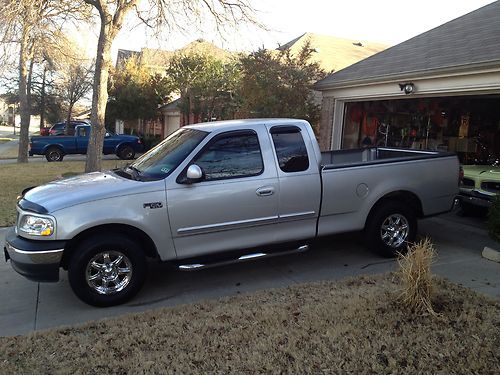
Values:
[(290, 148)]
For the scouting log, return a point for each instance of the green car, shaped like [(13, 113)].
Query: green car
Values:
[(479, 185)]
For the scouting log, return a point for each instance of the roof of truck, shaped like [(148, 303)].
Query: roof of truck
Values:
[(235, 124)]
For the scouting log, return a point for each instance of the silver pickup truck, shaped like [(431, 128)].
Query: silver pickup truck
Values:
[(222, 192)]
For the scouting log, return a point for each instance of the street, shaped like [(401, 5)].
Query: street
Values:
[(28, 306)]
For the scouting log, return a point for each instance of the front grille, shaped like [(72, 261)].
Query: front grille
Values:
[(491, 186), (467, 182)]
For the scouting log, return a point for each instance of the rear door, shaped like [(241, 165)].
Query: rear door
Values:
[(299, 182), (235, 205)]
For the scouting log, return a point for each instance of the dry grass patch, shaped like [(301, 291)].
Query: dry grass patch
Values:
[(16, 177), (354, 326)]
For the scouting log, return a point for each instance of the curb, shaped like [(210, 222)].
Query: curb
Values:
[(491, 254)]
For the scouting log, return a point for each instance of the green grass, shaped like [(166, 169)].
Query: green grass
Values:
[(16, 177), (349, 327)]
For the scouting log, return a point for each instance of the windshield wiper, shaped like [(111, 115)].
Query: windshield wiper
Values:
[(136, 173)]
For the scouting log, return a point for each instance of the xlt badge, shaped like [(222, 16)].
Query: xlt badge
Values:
[(153, 205)]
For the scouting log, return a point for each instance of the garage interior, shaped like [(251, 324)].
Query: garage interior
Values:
[(466, 125)]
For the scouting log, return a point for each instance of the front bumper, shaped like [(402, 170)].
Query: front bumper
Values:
[(475, 198), (35, 260)]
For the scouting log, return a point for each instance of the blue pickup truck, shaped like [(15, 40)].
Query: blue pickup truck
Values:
[(54, 148)]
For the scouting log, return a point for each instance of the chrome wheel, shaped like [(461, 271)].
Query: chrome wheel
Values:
[(394, 230), (54, 155), (109, 272)]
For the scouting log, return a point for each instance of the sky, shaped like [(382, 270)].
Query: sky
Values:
[(385, 21)]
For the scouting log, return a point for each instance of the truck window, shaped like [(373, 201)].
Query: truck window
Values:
[(290, 149), (231, 156), (82, 132)]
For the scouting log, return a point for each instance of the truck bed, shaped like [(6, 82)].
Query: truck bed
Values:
[(374, 155)]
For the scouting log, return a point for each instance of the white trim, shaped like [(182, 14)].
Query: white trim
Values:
[(227, 225), (338, 124)]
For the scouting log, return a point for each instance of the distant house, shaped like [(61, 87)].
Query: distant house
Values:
[(439, 90), (170, 117), (156, 61), (330, 52), (333, 53), (5, 112)]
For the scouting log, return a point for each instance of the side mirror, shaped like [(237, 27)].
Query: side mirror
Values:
[(194, 173), (107, 135)]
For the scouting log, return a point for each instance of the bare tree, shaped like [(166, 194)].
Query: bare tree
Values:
[(24, 26), (75, 83), (158, 15)]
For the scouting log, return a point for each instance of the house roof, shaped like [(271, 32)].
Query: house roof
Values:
[(157, 59), (470, 40), (172, 106), (125, 54), (334, 53)]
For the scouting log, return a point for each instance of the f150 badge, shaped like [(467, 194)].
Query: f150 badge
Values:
[(153, 205)]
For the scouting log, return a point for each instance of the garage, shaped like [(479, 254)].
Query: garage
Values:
[(438, 91)]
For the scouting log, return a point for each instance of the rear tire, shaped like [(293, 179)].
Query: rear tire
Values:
[(126, 153), (54, 154), (107, 270), (390, 228)]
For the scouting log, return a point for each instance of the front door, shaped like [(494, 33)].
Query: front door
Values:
[(235, 204), (82, 139)]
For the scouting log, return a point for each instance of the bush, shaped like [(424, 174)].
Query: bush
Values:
[(494, 219), (151, 141), (415, 272)]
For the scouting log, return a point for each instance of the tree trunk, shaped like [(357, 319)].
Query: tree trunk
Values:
[(68, 119), (24, 107), (42, 99), (99, 99)]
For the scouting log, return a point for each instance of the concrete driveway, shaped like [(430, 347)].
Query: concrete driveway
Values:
[(27, 306)]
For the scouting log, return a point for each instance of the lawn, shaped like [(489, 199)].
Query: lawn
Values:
[(15, 177), (353, 326)]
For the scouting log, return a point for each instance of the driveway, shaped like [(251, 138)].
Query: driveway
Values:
[(27, 306)]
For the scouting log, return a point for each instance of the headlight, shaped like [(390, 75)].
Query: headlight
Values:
[(36, 225)]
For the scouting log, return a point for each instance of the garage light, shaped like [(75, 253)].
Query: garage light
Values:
[(408, 88)]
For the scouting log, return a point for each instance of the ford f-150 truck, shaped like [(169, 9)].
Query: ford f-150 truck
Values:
[(222, 192), (54, 148)]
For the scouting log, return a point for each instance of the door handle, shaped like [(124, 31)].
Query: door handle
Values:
[(265, 191)]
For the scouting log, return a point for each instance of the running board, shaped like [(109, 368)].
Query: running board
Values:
[(243, 258)]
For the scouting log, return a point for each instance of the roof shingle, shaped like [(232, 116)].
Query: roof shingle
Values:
[(468, 40)]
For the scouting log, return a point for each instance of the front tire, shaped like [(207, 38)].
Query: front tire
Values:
[(390, 228), (54, 154), (107, 270)]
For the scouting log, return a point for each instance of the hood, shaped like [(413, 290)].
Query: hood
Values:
[(88, 187), (482, 171)]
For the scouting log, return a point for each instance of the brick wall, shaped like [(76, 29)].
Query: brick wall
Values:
[(326, 124)]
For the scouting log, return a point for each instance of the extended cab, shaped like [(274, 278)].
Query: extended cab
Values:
[(54, 148), (222, 192)]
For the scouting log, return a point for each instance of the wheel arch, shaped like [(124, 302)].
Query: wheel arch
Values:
[(130, 231), (405, 197), (53, 145), (123, 144)]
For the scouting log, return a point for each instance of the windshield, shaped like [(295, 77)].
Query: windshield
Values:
[(160, 161)]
